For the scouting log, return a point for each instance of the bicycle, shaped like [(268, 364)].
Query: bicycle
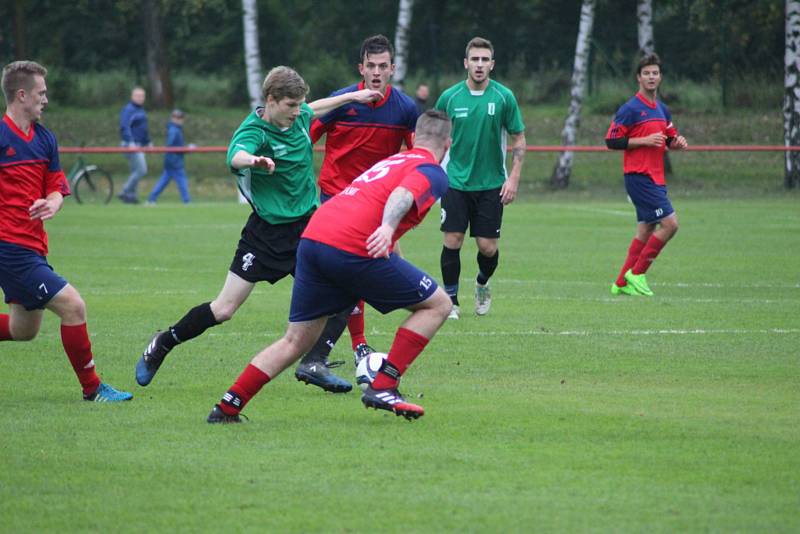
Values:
[(89, 183)]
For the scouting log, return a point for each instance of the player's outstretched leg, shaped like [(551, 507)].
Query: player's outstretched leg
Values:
[(409, 341), (195, 322), (314, 368)]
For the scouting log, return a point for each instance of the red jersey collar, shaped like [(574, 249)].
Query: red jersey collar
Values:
[(645, 101), (380, 102), (14, 128)]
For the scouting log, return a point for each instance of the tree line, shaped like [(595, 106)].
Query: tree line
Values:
[(698, 39)]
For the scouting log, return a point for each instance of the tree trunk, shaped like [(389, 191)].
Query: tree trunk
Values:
[(791, 97), (401, 42), (158, 74), (644, 15), (563, 169), (20, 36), (647, 46), (252, 55)]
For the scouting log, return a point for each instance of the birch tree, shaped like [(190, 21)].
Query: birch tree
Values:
[(563, 169), (644, 16), (401, 42), (252, 55), (791, 95)]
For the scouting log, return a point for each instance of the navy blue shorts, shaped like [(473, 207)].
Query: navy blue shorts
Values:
[(328, 280), (650, 199), (26, 277)]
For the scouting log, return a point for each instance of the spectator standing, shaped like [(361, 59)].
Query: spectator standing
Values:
[(173, 161), (133, 132)]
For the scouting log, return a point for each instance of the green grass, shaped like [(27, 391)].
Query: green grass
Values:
[(563, 410)]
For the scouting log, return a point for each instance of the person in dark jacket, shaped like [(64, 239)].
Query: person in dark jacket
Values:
[(133, 132), (173, 161)]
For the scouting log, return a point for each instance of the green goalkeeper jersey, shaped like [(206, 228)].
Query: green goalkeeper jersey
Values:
[(477, 159), (289, 193)]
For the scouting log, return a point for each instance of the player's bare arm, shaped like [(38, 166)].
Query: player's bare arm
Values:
[(324, 105), (518, 147), (653, 140), (244, 159), (397, 205), (46, 208)]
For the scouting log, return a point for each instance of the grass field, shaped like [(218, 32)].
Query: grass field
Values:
[(564, 410)]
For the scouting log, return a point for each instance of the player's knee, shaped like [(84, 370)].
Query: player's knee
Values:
[(73, 310), (24, 334), (441, 303), (223, 311)]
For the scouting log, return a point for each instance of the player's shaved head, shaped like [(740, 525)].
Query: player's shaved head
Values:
[(433, 129), (20, 75)]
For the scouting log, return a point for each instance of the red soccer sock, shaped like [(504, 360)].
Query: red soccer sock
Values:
[(246, 386), (5, 327), (406, 347), (630, 260), (79, 351), (356, 325), (648, 255)]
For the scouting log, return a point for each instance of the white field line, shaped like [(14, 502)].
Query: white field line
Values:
[(756, 285), (655, 332), (564, 333)]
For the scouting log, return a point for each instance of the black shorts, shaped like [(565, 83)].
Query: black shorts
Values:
[(482, 211), (267, 252)]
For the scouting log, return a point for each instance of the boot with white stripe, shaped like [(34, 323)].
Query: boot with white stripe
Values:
[(392, 401)]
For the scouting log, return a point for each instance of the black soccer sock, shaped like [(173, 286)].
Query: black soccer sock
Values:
[(486, 267), (451, 270), (195, 322), (330, 335)]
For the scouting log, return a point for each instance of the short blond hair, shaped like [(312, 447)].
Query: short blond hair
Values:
[(284, 82), (19, 75)]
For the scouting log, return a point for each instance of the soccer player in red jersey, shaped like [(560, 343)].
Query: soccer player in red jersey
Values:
[(357, 136), (346, 254), (643, 128), (32, 190)]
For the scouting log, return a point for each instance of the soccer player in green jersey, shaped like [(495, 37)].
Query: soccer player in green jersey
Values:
[(483, 112), (271, 155)]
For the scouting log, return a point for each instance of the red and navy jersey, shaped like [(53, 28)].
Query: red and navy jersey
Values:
[(360, 135), (640, 117), (348, 219), (29, 170)]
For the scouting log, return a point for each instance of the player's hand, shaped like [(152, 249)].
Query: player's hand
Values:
[(508, 192), (263, 162), (655, 139), (679, 143), (365, 96), (379, 244), (43, 209)]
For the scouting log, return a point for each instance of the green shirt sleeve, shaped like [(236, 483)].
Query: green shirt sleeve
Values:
[(249, 138), (513, 117)]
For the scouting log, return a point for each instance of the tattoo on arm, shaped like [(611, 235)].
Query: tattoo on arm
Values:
[(397, 205), (518, 153)]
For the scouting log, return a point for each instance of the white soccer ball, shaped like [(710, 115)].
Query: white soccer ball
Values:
[(368, 369)]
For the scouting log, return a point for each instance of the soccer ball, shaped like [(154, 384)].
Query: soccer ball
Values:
[(368, 368)]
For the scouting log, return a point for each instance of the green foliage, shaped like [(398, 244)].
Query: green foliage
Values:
[(704, 41), (563, 410)]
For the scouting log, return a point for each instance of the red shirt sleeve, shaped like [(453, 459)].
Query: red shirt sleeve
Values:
[(317, 130), (56, 182)]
